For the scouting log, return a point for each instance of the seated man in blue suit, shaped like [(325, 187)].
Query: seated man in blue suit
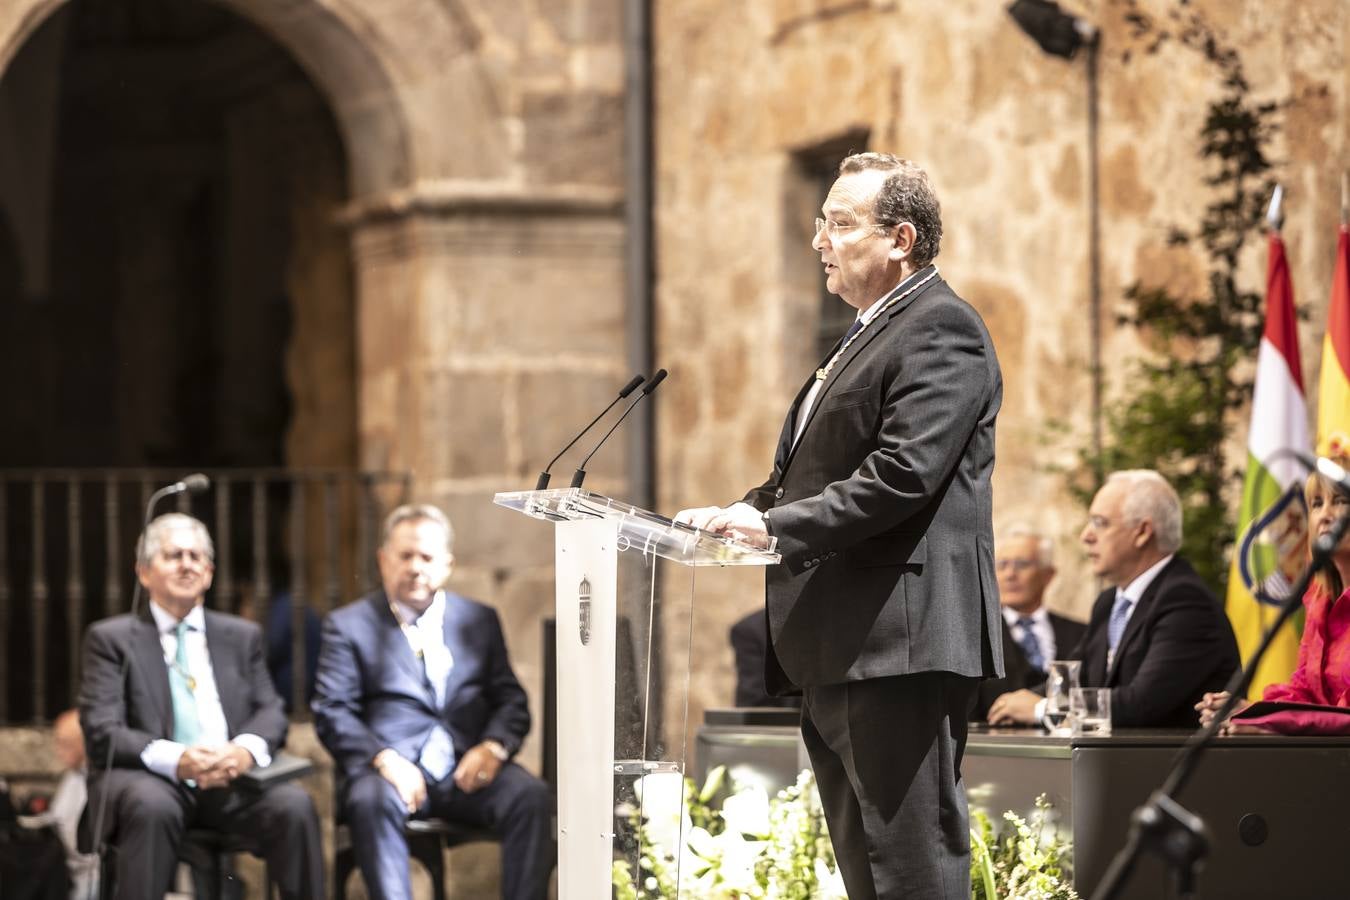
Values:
[(416, 701)]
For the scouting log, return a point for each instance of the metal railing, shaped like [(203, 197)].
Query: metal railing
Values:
[(291, 544)]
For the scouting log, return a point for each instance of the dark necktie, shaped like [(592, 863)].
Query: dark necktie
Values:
[(852, 330), (1030, 645)]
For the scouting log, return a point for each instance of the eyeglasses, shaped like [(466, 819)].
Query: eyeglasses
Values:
[(1098, 523), (834, 230), (1016, 565)]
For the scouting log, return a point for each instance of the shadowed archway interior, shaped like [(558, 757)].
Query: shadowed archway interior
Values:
[(178, 291)]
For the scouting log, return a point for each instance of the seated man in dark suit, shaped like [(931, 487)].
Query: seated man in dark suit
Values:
[(1158, 637), (749, 641), (181, 698), (417, 703), (1032, 635)]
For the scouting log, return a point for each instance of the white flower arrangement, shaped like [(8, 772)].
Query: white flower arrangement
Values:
[(753, 847), (1027, 861)]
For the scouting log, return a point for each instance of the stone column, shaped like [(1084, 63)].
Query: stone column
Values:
[(490, 326)]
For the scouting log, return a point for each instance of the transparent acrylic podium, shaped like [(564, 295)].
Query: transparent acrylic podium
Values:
[(624, 595)]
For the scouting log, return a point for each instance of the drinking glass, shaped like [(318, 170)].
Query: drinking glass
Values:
[(1062, 679), (1090, 710)]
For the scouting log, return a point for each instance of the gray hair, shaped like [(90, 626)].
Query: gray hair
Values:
[(1149, 496), (417, 512), (906, 195), (152, 539), (1045, 548)]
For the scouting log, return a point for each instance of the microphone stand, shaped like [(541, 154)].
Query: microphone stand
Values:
[(101, 847), (1162, 825)]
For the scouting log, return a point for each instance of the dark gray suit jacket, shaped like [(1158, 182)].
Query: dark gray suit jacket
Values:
[(128, 712), (883, 509)]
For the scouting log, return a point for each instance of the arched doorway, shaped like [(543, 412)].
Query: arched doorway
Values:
[(189, 248), (179, 294)]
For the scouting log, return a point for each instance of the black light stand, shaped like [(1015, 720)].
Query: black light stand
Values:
[(193, 484)]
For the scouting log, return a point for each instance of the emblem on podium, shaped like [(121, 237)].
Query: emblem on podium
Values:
[(584, 610)]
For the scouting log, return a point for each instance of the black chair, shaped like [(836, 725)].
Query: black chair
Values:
[(428, 839), (207, 853)]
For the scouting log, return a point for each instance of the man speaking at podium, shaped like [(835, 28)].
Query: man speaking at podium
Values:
[(884, 610)]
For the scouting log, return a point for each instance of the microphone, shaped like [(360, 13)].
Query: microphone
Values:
[(195, 483), (192, 484), (627, 389), (580, 474), (1333, 472)]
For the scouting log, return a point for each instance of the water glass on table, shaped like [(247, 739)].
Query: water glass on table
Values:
[(1062, 678), (1090, 710)]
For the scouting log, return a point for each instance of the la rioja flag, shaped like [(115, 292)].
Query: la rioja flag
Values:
[(1272, 523)]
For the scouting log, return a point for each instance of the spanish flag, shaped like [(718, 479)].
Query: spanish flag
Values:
[(1333, 397), (1272, 524)]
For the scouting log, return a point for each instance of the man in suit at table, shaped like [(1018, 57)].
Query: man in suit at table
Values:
[(181, 697), (749, 645), (1032, 635), (1157, 636), (884, 609), (416, 701)]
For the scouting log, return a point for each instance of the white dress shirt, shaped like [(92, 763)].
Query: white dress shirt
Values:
[(161, 756), (426, 636)]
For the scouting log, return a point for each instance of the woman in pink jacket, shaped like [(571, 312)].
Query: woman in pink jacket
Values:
[(1322, 677)]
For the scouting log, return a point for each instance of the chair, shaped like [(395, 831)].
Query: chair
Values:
[(207, 853), (428, 839)]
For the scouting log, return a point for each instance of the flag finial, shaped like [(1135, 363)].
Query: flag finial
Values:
[(1275, 213)]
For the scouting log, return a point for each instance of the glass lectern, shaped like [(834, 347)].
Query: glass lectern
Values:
[(625, 615)]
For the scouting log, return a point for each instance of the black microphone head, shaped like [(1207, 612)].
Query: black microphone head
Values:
[(196, 483), (631, 386), (655, 380)]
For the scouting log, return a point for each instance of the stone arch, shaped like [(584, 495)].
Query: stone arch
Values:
[(391, 82)]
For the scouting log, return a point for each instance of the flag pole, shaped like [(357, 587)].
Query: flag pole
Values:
[(1275, 212), (1345, 199)]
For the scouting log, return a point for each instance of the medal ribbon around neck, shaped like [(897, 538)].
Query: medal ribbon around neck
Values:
[(822, 374), (186, 676)]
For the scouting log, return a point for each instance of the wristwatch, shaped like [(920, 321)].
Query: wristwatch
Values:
[(497, 750)]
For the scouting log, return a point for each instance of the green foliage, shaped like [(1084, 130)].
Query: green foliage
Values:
[(1027, 861), (1181, 401), (735, 845), (751, 847)]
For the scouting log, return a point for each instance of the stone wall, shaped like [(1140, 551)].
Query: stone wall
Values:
[(744, 90)]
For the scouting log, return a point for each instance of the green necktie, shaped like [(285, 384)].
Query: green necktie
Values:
[(187, 727)]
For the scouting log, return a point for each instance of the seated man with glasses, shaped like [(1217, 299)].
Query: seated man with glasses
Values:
[(1032, 635), (176, 703), (1158, 636)]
